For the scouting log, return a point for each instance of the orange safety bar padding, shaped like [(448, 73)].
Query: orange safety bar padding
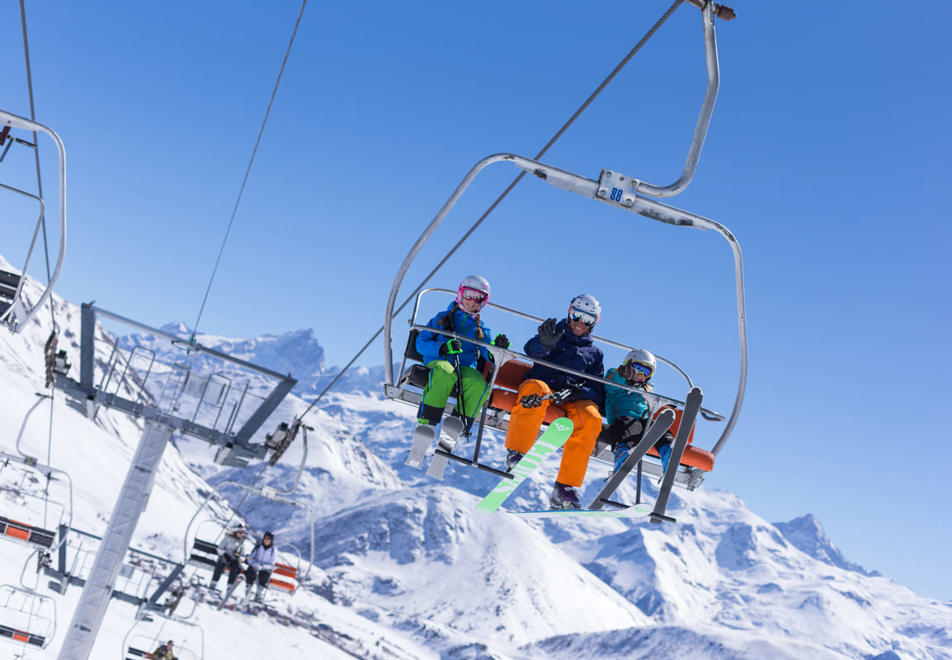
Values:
[(284, 569), (282, 584)]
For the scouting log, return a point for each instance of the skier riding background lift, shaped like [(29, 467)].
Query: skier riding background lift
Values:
[(164, 652), (231, 552), (260, 564), (566, 343)]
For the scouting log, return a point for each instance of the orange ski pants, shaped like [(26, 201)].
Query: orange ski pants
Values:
[(524, 425)]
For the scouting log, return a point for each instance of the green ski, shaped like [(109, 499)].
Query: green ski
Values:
[(553, 438)]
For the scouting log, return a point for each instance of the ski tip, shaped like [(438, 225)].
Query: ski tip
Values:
[(562, 425)]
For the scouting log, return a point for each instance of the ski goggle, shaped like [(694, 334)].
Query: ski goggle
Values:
[(582, 317), (472, 294), (642, 368)]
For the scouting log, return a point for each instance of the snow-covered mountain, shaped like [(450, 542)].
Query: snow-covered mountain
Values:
[(406, 567), (297, 353)]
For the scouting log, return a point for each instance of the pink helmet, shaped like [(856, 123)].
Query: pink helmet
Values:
[(473, 287)]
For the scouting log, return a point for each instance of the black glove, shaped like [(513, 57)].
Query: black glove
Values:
[(549, 334), (502, 341), (566, 393), (451, 347), (531, 401)]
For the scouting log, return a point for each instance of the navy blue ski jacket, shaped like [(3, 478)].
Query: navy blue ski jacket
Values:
[(578, 353)]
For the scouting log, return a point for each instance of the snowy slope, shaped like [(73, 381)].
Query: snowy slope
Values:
[(406, 568)]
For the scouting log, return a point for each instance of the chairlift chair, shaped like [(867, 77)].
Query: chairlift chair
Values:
[(618, 190), (26, 617), (151, 629), (202, 550), (15, 311), (29, 514)]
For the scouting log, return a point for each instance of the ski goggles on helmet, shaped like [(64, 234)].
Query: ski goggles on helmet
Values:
[(472, 294), (582, 317), (642, 368)]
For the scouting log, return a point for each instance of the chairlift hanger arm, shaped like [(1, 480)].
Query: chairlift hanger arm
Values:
[(9, 119), (723, 12)]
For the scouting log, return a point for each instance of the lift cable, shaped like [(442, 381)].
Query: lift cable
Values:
[(621, 65), (247, 172)]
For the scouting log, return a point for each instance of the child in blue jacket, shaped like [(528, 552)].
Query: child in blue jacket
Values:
[(627, 412), (441, 354)]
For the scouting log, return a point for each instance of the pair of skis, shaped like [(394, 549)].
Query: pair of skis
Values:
[(556, 436), (423, 437), (548, 443)]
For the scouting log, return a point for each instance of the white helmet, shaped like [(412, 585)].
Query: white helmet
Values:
[(641, 356), (588, 305), (473, 283)]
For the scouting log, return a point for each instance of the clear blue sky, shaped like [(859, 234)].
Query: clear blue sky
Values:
[(826, 157)]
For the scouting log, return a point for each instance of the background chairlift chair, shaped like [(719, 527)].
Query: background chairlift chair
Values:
[(15, 310), (26, 617), (150, 630), (28, 513), (203, 551)]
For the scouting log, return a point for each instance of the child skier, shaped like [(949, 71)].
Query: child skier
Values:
[(627, 412), (443, 355)]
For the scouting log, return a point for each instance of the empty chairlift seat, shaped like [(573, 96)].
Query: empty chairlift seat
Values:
[(204, 553), (8, 289), (14, 529), (284, 577), (22, 636)]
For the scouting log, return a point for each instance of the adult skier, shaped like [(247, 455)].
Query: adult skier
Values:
[(567, 343), (260, 564), (230, 553), (443, 355), (627, 412)]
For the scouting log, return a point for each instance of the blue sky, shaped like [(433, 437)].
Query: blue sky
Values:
[(825, 157)]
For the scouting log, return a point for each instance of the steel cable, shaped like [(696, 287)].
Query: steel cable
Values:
[(247, 173)]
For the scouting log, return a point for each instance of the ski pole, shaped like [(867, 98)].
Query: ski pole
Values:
[(460, 404)]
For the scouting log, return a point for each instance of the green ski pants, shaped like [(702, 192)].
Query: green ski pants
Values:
[(441, 382)]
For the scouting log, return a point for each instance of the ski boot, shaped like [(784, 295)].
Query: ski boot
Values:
[(512, 457), (564, 497), (621, 453)]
